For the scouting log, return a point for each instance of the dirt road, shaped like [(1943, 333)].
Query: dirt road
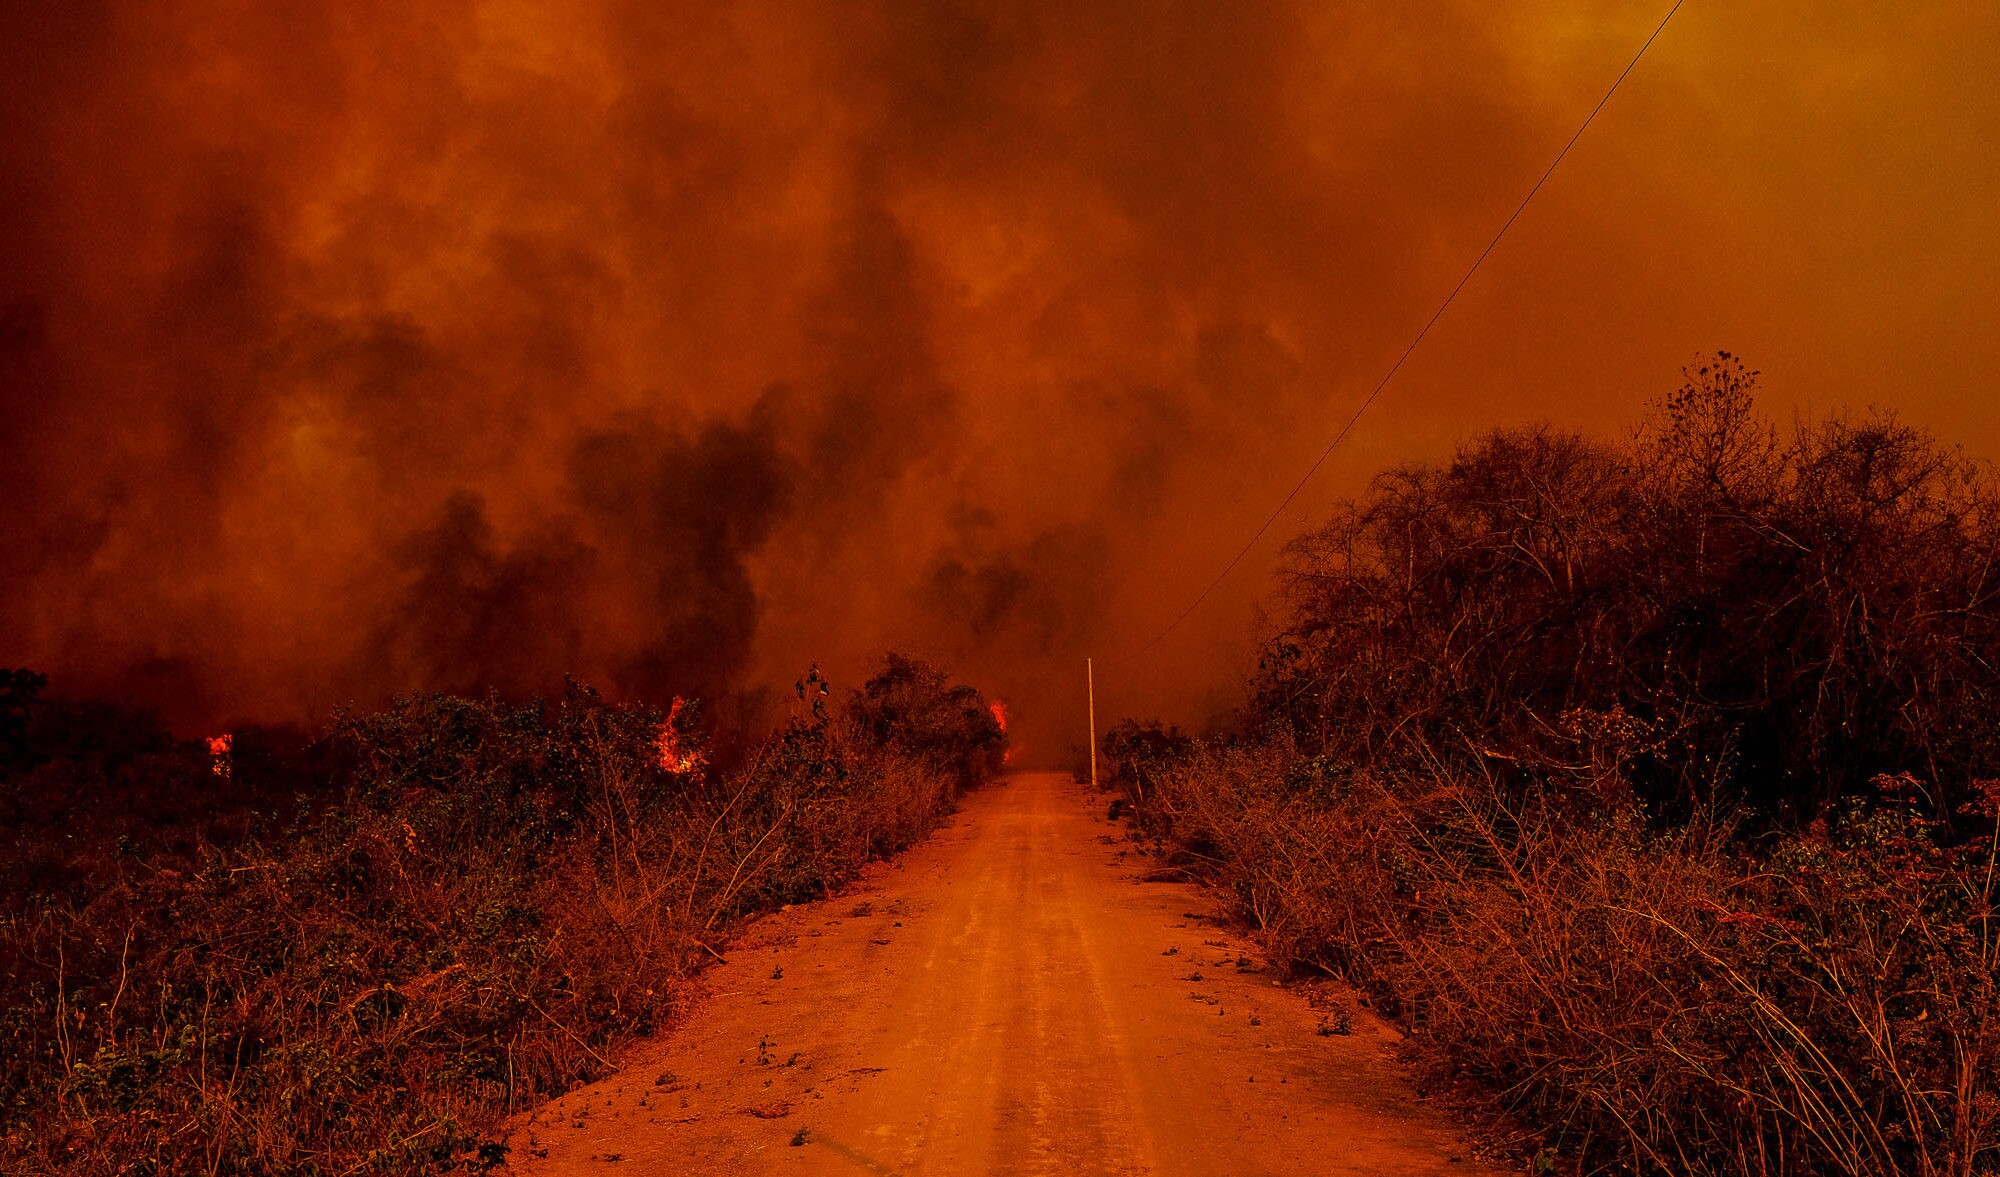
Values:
[(1008, 998)]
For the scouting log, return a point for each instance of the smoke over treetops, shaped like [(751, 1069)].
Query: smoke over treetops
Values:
[(349, 348)]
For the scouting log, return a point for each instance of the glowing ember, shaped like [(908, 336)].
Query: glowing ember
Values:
[(218, 753), (674, 757)]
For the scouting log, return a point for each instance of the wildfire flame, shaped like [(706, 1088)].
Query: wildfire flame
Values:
[(218, 753), (673, 756), (999, 710)]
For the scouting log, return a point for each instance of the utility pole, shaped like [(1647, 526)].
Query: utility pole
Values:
[(1090, 679)]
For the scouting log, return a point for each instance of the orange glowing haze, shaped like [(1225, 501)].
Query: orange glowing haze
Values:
[(352, 348)]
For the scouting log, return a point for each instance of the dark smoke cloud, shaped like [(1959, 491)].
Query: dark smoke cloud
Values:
[(352, 348), (473, 616), (1034, 596)]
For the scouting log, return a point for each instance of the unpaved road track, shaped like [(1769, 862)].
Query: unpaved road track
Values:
[(1008, 998)]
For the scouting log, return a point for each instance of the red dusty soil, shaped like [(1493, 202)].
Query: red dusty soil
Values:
[(1008, 998)]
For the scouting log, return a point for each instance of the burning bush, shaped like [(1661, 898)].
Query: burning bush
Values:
[(911, 707), (470, 912)]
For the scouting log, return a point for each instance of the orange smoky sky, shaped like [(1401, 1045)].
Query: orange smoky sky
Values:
[(362, 347)]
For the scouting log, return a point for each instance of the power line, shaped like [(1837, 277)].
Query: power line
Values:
[(1425, 330)]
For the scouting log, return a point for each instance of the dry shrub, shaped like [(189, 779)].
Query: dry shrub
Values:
[(489, 901), (1649, 780), (1661, 1001)]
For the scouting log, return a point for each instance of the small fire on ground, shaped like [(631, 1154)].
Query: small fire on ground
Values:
[(676, 756), (218, 753)]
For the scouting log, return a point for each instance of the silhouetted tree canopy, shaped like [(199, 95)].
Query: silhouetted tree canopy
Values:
[(1711, 603)]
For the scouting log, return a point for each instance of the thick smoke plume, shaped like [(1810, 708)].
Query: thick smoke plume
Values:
[(351, 348)]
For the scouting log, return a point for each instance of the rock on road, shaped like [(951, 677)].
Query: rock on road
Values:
[(1007, 998)]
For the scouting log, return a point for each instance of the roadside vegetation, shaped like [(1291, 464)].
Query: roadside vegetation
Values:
[(358, 953), (1652, 783)]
